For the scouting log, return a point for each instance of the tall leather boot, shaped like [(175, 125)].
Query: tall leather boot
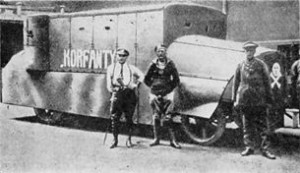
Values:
[(114, 128), (265, 143), (128, 141), (156, 129), (173, 141)]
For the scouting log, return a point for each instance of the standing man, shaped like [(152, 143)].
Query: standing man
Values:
[(252, 83), (162, 78), (295, 71), (122, 79), (279, 89)]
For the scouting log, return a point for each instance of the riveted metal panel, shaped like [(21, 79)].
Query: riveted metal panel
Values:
[(105, 38), (76, 47), (105, 32), (61, 91), (127, 34), (81, 32), (59, 38), (180, 20), (149, 34)]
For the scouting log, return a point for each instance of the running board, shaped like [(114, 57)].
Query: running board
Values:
[(288, 131)]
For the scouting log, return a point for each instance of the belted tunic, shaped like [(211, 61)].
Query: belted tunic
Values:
[(251, 85)]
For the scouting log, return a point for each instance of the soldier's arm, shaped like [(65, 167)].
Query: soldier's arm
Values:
[(267, 83), (138, 77), (175, 76), (294, 69), (138, 74), (236, 82), (149, 74), (294, 72), (108, 79)]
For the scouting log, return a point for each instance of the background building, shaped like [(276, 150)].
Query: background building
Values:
[(273, 24)]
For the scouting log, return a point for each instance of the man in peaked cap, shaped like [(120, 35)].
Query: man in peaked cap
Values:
[(162, 78), (122, 79), (250, 44), (252, 85)]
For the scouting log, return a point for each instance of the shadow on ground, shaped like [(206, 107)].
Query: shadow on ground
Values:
[(232, 138)]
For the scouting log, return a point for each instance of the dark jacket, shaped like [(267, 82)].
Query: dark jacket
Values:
[(295, 70), (252, 84), (162, 82)]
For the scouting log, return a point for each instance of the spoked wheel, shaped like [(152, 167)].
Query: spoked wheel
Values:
[(48, 116), (204, 131)]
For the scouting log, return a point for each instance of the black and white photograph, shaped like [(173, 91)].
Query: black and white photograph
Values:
[(150, 86)]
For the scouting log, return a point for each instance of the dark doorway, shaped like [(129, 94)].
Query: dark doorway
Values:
[(11, 43), (11, 40)]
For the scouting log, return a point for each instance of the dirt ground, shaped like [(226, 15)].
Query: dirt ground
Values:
[(32, 147)]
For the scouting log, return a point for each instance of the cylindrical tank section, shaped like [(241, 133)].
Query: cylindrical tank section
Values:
[(190, 19), (36, 41), (206, 65)]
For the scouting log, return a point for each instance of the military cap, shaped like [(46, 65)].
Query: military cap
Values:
[(249, 44), (160, 46), (123, 52)]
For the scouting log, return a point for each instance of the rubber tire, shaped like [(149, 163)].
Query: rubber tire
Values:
[(48, 116), (220, 128)]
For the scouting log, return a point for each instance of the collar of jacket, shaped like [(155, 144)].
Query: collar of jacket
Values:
[(125, 63), (156, 59), (251, 60)]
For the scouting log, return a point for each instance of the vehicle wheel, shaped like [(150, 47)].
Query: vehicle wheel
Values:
[(204, 131), (48, 116)]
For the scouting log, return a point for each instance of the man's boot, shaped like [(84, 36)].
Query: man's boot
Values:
[(248, 151), (114, 128), (115, 141), (268, 155), (173, 141), (128, 141), (265, 145), (156, 128)]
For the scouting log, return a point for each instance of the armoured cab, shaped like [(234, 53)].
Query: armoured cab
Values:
[(63, 65)]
